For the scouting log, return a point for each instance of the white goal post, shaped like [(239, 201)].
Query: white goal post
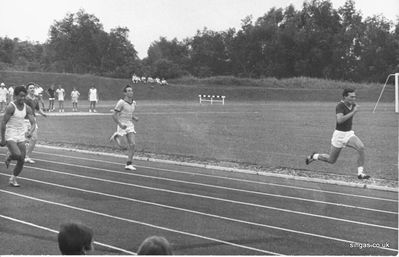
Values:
[(396, 75)]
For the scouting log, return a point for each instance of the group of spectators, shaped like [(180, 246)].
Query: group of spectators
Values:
[(137, 79), (77, 239), (59, 94)]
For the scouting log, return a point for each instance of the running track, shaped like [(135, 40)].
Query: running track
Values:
[(200, 211)]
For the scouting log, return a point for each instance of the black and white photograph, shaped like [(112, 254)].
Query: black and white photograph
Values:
[(199, 127)]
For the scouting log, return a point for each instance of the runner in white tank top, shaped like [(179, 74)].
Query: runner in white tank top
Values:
[(13, 131)]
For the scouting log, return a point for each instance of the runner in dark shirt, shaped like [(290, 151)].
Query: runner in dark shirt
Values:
[(343, 134)]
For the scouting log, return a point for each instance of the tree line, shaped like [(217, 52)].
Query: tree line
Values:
[(316, 41)]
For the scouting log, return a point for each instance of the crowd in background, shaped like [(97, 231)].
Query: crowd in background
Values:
[(137, 79), (54, 94)]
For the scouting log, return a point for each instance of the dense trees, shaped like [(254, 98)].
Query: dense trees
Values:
[(316, 41)]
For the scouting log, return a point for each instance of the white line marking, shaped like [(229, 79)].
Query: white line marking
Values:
[(227, 178), (225, 188), (196, 212), (56, 232), (209, 197), (140, 223)]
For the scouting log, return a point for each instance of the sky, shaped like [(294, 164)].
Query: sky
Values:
[(148, 20)]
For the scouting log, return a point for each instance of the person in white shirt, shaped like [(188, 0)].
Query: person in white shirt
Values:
[(61, 97), (74, 97), (123, 117), (3, 96), (93, 98), (39, 94), (10, 94)]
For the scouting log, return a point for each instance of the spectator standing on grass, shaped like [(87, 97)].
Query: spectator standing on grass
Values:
[(34, 103), (39, 94), (51, 98), (343, 135), (155, 245), (75, 239), (123, 117), (10, 97), (3, 96), (93, 98), (75, 96), (60, 97), (13, 132)]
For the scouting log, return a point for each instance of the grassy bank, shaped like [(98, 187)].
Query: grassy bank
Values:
[(188, 89)]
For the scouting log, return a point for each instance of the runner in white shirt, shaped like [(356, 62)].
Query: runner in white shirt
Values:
[(13, 132), (93, 98), (3, 96), (123, 116), (61, 94)]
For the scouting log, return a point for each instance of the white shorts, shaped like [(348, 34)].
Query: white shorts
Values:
[(341, 138), (129, 129), (16, 135), (3, 99)]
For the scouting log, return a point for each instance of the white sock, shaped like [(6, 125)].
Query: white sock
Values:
[(359, 170), (316, 156)]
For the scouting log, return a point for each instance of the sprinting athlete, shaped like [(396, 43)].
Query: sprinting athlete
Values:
[(343, 135), (34, 103), (123, 116), (13, 131)]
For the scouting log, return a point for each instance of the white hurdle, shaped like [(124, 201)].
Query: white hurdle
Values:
[(211, 98)]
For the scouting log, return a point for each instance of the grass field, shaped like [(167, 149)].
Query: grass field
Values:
[(271, 134)]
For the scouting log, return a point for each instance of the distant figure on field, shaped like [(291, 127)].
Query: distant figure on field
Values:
[(61, 97), (343, 135), (75, 239), (3, 96), (93, 98), (51, 98), (39, 94), (74, 97), (155, 245), (10, 94)]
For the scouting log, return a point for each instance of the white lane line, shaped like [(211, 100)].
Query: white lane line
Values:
[(225, 188), (197, 212), (56, 232), (216, 198), (140, 223), (228, 178)]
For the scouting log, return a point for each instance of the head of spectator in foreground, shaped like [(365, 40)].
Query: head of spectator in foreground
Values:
[(155, 245), (75, 239)]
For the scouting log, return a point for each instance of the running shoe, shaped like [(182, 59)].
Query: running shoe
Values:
[(130, 167), (363, 176), (13, 182), (309, 158), (29, 160)]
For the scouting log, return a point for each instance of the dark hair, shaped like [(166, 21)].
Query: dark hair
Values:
[(347, 91), (155, 245), (74, 238), (126, 87), (19, 89)]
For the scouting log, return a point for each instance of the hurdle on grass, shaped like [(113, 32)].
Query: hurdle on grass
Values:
[(396, 91), (211, 98)]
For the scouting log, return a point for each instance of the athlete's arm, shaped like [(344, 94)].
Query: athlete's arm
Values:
[(29, 114), (115, 117), (7, 115), (342, 118)]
